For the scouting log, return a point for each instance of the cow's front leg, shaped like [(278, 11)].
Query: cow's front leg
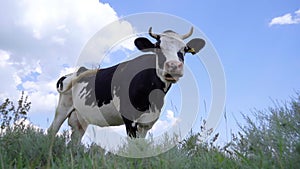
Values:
[(142, 129), (131, 127)]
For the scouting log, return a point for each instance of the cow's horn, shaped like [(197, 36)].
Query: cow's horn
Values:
[(153, 35), (188, 34)]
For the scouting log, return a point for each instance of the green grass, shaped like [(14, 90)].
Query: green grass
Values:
[(270, 139), (28, 148)]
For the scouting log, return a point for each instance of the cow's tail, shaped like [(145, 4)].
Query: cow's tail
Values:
[(63, 83), (66, 82)]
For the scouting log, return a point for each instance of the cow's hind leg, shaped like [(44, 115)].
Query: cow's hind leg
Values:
[(77, 128), (63, 109), (59, 118)]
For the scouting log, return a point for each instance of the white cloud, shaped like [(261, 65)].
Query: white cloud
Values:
[(44, 16), (17, 79), (42, 94), (286, 19), (43, 102), (9, 78), (38, 68), (162, 126), (298, 13), (4, 57), (58, 40), (67, 70), (41, 40), (98, 46)]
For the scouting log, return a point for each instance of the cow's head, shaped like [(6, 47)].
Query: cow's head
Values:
[(170, 50)]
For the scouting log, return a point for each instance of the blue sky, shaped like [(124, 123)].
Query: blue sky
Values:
[(260, 61), (40, 41)]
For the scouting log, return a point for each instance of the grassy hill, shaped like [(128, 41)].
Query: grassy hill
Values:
[(269, 140)]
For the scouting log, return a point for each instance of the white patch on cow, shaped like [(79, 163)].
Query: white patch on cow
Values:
[(83, 93), (170, 45), (106, 115), (116, 101), (133, 124), (146, 121), (159, 73), (112, 115), (167, 86), (150, 117)]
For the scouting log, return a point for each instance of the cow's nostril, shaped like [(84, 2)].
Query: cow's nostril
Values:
[(180, 65)]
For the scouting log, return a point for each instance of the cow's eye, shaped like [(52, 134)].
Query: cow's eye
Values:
[(180, 56), (157, 44)]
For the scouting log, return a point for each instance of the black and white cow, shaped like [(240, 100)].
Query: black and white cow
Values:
[(130, 93)]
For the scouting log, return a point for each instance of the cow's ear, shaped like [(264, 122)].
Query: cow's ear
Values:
[(195, 45), (144, 44)]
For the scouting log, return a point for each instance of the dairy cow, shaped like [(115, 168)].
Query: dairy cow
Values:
[(131, 92)]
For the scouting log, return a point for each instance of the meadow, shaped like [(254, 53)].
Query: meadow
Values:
[(269, 139)]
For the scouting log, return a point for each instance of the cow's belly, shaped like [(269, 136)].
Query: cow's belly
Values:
[(104, 116), (85, 103)]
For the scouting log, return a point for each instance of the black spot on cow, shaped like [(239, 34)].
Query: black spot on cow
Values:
[(87, 92), (59, 83), (133, 82)]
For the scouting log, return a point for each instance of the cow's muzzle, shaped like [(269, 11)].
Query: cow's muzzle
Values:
[(173, 71)]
